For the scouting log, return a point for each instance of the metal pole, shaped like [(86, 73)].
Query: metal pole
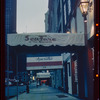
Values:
[(7, 72), (86, 50), (17, 74), (85, 29)]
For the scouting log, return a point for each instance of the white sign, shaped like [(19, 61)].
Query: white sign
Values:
[(44, 59), (43, 75), (38, 63)]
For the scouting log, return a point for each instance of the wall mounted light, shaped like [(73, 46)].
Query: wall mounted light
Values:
[(90, 6), (84, 4), (68, 31)]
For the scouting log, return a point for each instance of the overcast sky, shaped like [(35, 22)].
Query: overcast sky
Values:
[(31, 15)]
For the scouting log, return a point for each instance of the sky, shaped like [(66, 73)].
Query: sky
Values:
[(31, 15)]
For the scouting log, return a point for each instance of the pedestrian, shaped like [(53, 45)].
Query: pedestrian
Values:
[(37, 84), (27, 88)]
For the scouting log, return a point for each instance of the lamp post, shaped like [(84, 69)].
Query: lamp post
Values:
[(84, 10), (84, 4)]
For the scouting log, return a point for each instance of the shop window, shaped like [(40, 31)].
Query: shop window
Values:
[(69, 69)]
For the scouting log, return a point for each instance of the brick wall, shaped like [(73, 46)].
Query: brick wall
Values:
[(90, 74)]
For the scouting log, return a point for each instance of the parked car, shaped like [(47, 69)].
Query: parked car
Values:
[(21, 84), (9, 83)]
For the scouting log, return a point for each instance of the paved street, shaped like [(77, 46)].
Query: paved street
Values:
[(44, 93), (13, 90), (21, 89)]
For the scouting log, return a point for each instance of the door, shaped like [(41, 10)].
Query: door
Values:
[(69, 78)]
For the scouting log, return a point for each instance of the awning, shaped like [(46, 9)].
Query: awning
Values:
[(45, 39)]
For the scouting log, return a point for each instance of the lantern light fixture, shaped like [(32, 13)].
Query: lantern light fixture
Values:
[(83, 5)]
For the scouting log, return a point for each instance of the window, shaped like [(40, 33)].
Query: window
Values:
[(65, 14), (69, 69), (69, 7)]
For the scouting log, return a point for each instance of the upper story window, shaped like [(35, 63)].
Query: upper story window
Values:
[(69, 7), (65, 14)]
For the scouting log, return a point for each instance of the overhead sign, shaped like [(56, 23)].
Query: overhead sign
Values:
[(45, 39), (38, 63), (43, 75)]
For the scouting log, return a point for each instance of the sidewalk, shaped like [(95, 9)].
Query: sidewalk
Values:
[(44, 93)]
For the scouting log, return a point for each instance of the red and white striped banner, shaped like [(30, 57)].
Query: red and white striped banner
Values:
[(37, 63)]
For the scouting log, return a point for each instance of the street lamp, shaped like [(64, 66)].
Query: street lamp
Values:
[(84, 10), (84, 6)]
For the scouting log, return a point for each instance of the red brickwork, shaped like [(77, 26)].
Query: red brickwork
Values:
[(74, 88), (90, 72)]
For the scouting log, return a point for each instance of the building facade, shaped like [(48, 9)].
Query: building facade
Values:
[(10, 16), (64, 16), (10, 27)]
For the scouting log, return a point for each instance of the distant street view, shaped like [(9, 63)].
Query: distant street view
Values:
[(55, 64)]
